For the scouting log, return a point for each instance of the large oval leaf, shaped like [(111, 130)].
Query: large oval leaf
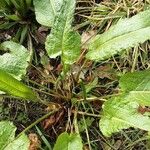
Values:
[(68, 142), (123, 112), (125, 34), (137, 86), (46, 10), (15, 60), (62, 39), (120, 113), (8, 140), (14, 87)]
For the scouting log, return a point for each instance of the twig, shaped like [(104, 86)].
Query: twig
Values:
[(38, 121)]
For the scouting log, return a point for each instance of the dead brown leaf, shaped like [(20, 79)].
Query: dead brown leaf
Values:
[(49, 122), (34, 141), (86, 36), (52, 120)]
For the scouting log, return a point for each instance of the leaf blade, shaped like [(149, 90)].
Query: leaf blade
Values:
[(7, 132), (138, 87), (8, 140), (19, 143), (125, 34), (68, 142), (46, 11), (63, 40), (12, 86), (16, 59), (120, 113)]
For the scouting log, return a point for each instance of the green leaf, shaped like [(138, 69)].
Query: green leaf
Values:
[(120, 113), (135, 81), (14, 87), (16, 59), (125, 34), (62, 39), (46, 10), (21, 143), (8, 140), (137, 85), (68, 142)]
